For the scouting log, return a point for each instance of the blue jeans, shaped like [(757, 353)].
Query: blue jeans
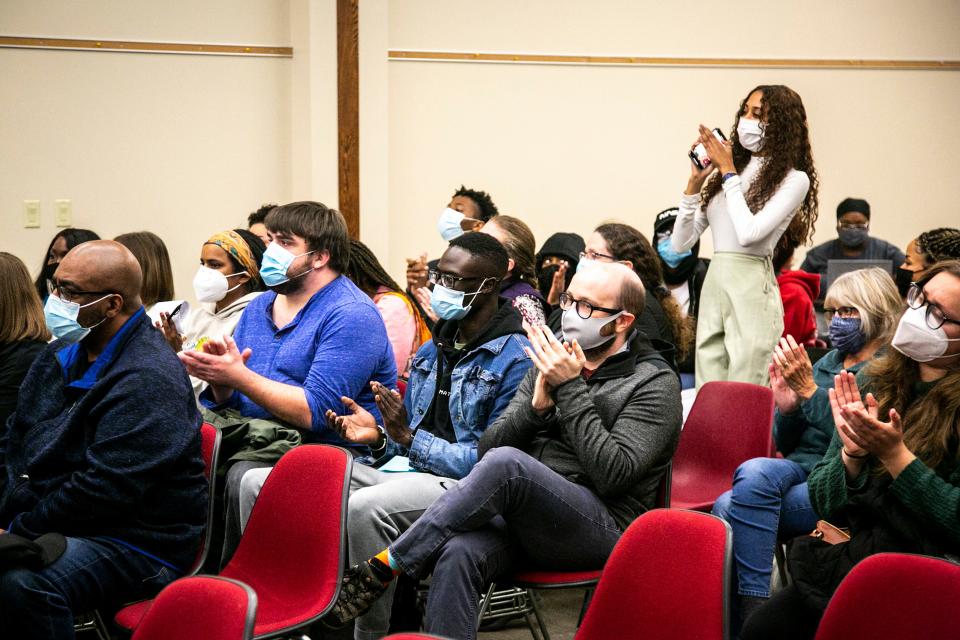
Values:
[(769, 500), (92, 572), (510, 509)]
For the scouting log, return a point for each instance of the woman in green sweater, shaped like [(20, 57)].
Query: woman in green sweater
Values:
[(892, 472), (769, 499)]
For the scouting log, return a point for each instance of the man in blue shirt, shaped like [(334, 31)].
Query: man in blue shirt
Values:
[(300, 347), (104, 448)]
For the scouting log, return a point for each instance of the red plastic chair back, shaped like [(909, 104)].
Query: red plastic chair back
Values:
[(894, 595), (204, 606), (668, 577), (729, 423), (292, 550)]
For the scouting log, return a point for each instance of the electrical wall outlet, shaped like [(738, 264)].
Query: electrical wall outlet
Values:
[(31, 214), (64, 214)]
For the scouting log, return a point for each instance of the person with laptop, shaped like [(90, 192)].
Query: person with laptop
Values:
[(853, 242)]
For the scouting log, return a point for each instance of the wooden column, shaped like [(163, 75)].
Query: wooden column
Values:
[(348, 113)]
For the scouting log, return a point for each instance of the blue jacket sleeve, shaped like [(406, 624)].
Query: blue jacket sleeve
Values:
[(455, 460), (350, 352)]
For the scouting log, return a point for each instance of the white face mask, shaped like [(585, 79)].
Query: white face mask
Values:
[(750, 133), (918, 341), (210, 285), (586, 332), (449, 224)]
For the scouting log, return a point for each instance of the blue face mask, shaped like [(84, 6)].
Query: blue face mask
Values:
[(449, 224), (670, 257), (61, 318), (276, 261), (585, 263), (448, 304), (846, 335)]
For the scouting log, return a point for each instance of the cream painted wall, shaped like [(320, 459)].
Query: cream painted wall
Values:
[(180, 145), (566, 147)]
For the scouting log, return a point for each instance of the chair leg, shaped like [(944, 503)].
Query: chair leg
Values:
[(544, 634), (485, 603), (583, 608), (781, 558)]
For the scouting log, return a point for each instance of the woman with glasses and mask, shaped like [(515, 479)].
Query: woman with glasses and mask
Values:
[(661, 320), (769, 499), (891, 474), (762, 189), (923, 252), (65, 240)]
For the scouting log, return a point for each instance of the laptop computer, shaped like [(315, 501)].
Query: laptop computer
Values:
[(836, 268)]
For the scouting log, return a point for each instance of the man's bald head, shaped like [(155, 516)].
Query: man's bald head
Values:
[(610, 284), (103, 265)]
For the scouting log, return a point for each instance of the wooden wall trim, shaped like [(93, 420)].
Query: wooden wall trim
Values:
[(348, 113), (653, 61), (124, 46)]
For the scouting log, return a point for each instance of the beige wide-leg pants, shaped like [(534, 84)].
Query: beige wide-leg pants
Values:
[(740, 320)]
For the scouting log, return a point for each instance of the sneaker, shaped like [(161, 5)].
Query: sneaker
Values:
[(359, 589)]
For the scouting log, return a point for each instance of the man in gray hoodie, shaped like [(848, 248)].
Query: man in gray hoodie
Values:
[(575, 457)]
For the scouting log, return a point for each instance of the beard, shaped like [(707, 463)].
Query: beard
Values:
[(291, 286)]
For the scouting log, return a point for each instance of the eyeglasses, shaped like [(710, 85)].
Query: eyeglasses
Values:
[(843, 312), (584, 308), (934, 316), (849, 225), (593, 255), (448, 280), (68, 294)]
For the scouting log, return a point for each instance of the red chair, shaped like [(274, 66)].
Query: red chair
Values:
[(223, 609), (668, 577), (293, 548), (129, 617), (730, 423), (894, 595), (519, 599)]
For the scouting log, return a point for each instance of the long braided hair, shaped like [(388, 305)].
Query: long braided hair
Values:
[(786, 146), (367, 272)]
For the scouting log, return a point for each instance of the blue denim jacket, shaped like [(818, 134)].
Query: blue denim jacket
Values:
[(482, 385)]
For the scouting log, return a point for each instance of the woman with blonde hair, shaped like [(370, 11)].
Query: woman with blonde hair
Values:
[(520, 285), (23, 331), (769, 498), (891, 474)]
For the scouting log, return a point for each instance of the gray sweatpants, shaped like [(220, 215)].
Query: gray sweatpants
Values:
[(381, 507)]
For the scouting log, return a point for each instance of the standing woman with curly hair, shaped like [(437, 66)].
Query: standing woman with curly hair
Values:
[(762, 190)]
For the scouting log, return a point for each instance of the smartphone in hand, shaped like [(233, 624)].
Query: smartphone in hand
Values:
[(698, 155)]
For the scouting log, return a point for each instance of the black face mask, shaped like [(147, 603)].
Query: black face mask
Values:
[(49, 270), (545, 279), (904, 279), (682, 273)]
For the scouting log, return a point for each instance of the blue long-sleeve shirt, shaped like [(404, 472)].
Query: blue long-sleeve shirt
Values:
[(333, 347)]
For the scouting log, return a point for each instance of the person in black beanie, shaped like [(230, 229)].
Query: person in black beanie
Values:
[(556, 262), (853, 241), (683, 273)]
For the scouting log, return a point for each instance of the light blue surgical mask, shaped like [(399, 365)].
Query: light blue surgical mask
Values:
[(449, 224), (448, 303), (61, 318), (276, 261), (585, 263), (670, 257)]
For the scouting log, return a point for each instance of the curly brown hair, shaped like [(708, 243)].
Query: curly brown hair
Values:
[(786, 146), (627, 243)]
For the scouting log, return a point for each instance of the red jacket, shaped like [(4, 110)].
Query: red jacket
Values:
[(798, 290)]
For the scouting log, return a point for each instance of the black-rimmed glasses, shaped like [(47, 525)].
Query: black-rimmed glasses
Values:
[(934, 315), (584, 308)]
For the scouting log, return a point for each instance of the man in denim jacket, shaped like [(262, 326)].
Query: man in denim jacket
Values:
[(459, 384)]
